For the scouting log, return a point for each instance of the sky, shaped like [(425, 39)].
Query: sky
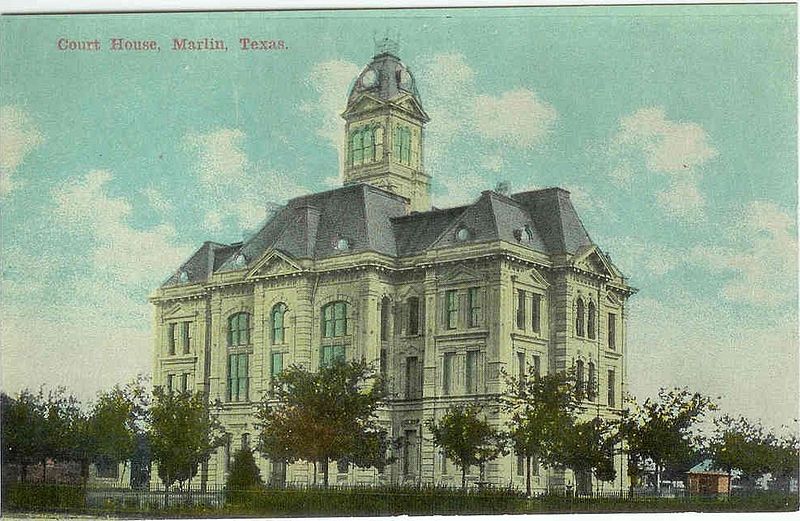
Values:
[(673, 127)]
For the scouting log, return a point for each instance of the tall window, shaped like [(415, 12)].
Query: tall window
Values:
[(385, 303), (331, 354), (521, 309), (537, 366), (447, 373), (580, 377), (186, 337), (170, 383), (474, 306), (239, 329), (334, 319), (363, 145), (402, 144), (237, 377), (612, 331), (279, 323), (184, 382), (521, 368), (579, 314), (413, 315), (612, 384), (471, 375), (536, 313), (171, 338), (276, 365), (413, 389), (591, 321), (451, 309), (520, 464), (592, 384)]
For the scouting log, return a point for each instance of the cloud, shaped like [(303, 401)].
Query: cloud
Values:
[(459, 110), (18, 137), (759, 262), (331, 81), (233, 189), (518, 117), (121, 253), (634, 256), (675, 150), (678, 339)]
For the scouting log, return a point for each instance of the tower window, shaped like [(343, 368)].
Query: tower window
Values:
[(402, 144), (580, 377), (363, 145)]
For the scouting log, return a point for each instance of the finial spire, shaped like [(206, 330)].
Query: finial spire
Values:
[(386, 45)]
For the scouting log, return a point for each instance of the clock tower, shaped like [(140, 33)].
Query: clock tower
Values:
[(384, 123)]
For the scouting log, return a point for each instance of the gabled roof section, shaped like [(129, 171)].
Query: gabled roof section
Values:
[(555, 219)]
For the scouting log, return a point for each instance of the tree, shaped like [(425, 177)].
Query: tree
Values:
[(784, 461), (542, 410), (182, 434), (23, 426), (660, 430), (466, 438), (743, 445), (589, 447), (243, 475), (326, 415)]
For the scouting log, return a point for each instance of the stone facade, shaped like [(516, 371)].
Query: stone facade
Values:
[(443, 301)]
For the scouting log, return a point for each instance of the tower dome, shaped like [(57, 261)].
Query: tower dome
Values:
[(386, 78)]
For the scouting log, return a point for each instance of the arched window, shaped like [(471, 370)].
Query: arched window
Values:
[(239, 329), (580, 378), (334, 319), (402, 144), (591, 321), (385, 303), (591, 391), (579, 317), (278, 316), (363, 142)]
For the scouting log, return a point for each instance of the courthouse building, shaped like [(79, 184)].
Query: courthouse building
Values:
[(443, 301)]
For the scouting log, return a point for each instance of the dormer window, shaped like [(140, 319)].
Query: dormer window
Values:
[(341, 244), (463, 234), (528, 232), (183, 277), (240, 261)]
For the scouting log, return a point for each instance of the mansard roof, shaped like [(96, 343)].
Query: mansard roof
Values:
[(371, 219)]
